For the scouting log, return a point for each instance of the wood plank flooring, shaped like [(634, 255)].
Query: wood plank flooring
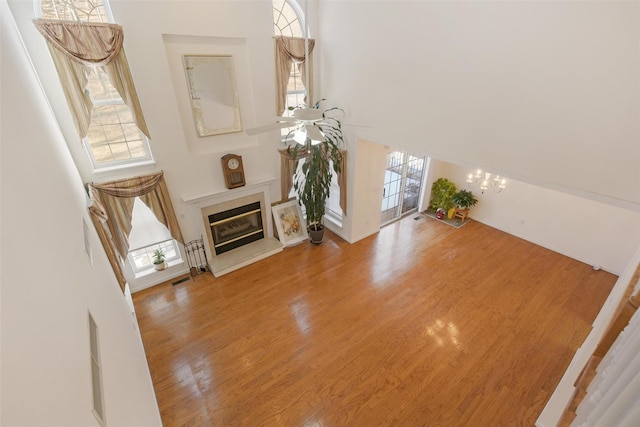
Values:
[(420, 325)]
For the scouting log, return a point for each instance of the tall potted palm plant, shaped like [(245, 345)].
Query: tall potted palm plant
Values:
[(322, 157)]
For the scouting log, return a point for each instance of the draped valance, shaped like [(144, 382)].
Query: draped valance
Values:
[(292, 50), (76, 47), (111, 210), (87, 43)]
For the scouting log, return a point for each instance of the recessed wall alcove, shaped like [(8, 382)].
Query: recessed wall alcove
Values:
[(176, 47)]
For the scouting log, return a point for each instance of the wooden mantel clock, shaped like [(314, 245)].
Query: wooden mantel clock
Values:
[(233, 171)]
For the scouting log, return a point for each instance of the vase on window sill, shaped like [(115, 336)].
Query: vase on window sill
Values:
[(160, 266)]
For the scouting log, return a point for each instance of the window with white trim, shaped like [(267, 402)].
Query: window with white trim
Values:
[(113, 139), (288, 19), (142, 259), (333, 202), (148, 234)]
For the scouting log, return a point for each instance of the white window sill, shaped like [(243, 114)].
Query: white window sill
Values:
[(125, 166), (148, 271), (333, 220)]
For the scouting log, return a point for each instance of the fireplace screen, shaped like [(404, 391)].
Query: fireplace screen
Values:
[(236, 227)]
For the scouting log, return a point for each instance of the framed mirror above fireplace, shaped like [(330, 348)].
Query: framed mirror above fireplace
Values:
[(211, 80)]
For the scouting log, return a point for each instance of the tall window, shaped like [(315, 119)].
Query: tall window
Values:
[(148, 234), (333, 202), (288, 20), (113, 138)]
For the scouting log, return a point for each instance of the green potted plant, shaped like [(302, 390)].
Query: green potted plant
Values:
[(464, 199), (442, 190), (158, 260), (322, 159)]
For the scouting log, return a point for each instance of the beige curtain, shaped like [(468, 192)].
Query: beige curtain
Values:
[(288, 50), (112, 255), (288, 165), (116, 213), (76, 47), (342, 182), (112, 206)]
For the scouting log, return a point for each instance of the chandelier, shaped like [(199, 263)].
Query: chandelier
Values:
[(486, 180)]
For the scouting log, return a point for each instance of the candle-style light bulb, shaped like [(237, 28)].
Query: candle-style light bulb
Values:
[(502, 185)]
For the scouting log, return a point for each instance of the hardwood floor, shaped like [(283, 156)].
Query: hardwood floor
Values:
[(420, 325)]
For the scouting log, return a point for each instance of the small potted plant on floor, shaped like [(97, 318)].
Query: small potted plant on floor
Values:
[(158, 260), (441, 192)]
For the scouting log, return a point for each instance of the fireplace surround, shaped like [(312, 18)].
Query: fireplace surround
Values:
[(236, 227), (237, 224), (234, 223)]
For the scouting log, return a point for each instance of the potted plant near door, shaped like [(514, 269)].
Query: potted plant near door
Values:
[(158, 260), (322, 157), (442, 191)]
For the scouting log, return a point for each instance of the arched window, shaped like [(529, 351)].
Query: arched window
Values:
[(74, 10), (289, 21), (113, 137), (288, 18)]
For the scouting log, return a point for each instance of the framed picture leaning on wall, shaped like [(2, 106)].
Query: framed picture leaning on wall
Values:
[(290, 224)]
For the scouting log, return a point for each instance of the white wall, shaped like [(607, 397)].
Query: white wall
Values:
[(48, 283), (592, 232), (367, 170), (157, 34), (546, 92), (152, 31)]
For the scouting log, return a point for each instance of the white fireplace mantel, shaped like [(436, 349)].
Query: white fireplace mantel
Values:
[(247, 254), (224, 195)]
